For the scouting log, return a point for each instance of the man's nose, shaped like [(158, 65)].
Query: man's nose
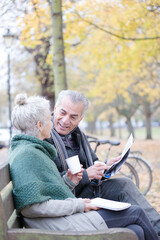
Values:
[(66, 119)]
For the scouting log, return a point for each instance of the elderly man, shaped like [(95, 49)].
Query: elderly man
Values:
[(69, 140)]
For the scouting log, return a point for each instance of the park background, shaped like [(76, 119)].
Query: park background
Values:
[(108, 50)]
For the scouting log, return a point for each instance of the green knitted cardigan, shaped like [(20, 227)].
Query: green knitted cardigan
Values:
[(34, 174)]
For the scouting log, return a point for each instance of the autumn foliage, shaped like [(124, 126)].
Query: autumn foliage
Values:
[(111, 50)]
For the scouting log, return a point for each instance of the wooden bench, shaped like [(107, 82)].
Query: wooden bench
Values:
[(11, 226)]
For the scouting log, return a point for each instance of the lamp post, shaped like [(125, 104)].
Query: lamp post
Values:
[(8, 38)]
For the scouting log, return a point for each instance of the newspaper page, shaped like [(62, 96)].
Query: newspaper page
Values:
[(109, 204), (116, 166)]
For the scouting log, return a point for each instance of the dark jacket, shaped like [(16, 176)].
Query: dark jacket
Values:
[(84, 188)]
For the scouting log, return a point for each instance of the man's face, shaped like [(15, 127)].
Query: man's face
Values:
[(67, 115)]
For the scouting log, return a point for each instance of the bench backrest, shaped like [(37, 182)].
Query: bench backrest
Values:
[(8, 217)]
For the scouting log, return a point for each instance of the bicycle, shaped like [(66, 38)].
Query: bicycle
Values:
[(136, 168)]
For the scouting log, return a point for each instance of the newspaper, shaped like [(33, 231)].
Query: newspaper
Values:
[(116, 166), (109, 204)]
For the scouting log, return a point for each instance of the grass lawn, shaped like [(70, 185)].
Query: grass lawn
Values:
[(140, 133)]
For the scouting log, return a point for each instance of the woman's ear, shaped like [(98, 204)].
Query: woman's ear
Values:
[(39, 125)]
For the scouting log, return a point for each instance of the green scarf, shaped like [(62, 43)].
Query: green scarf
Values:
[(34, 174)]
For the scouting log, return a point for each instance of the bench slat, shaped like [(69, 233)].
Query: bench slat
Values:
[(36, 234), (12, 220), (3, 224), (7, 199), (6, 191), (4, 175)]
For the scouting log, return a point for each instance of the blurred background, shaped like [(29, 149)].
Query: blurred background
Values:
[(109, 50)]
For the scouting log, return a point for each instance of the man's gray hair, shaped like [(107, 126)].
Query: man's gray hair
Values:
[(27, 112), (75, 98)]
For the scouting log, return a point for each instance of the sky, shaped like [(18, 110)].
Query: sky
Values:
[(5, 23), (8, 14)]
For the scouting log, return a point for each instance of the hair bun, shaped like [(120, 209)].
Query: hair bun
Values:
[(21, 99)]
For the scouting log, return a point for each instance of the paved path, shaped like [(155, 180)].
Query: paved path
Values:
[(3, 155)]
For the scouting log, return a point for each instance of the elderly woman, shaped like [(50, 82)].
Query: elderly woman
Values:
[(40, 193)]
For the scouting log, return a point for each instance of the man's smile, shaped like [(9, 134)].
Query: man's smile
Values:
[(62, 126)]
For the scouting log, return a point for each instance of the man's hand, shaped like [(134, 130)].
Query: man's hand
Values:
[(112, 160), (96, 171), (88, 206), (75, 178)]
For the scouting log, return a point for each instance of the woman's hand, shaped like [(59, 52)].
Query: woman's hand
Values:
[(75, 178), (88, 206)]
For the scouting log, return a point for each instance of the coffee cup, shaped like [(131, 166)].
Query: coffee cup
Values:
[(74, 164)]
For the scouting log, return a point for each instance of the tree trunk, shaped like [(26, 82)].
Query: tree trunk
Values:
[(92, 127), (119, 127), (148, 128), (58, 56), (112, 129), (100, 128), (130, 126), (148, 114), (43, 70)]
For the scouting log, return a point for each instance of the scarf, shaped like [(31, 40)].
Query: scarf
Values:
[(60, 147)]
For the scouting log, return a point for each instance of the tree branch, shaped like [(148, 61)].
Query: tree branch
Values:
[(114, 34)]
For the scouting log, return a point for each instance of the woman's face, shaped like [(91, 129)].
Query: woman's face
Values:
[(44, 130)]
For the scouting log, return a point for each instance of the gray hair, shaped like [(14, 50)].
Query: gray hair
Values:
[(27, 112), (75, 98)]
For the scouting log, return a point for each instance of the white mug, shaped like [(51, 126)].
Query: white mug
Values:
[(74, 164)]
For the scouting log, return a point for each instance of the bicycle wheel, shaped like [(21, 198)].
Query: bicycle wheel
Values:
[(128, 171), (143, 170)]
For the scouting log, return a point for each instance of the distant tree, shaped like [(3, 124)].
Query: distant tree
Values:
[(127, 109), (44, 71), (148, 110), (42, 35)]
